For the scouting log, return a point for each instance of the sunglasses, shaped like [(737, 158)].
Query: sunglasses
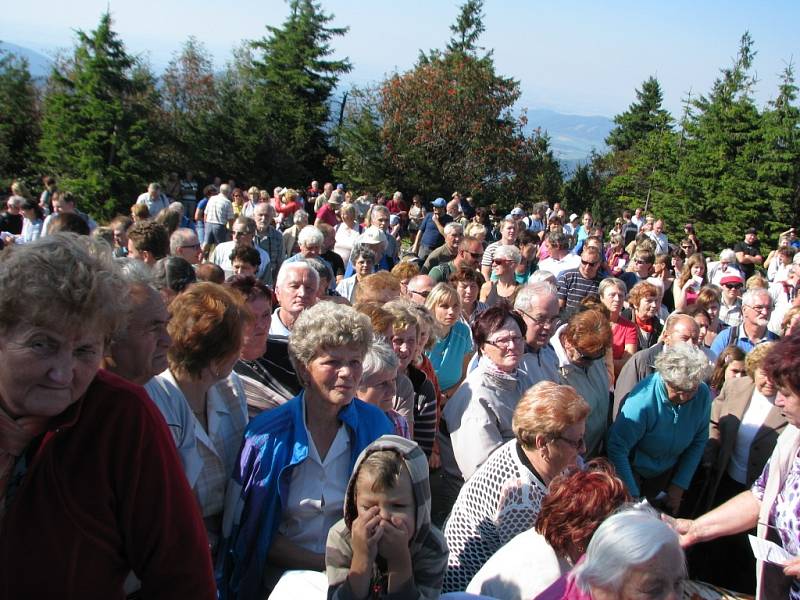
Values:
[(642, 262), (475, 255), (587, 263), (502, 261), (732, 286), (589, 358), (423, 294)]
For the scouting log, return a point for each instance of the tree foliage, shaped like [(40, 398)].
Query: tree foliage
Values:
[(99, 131), (292, 79), (19, 118)]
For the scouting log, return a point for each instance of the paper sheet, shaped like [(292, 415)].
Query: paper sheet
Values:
[(769, 551)]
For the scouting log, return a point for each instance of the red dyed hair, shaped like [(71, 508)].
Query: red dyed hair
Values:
[(782, 364), (577, 503)]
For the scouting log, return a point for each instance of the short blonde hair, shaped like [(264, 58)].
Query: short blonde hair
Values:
[(547, 409), (755, 357), (442, 292)]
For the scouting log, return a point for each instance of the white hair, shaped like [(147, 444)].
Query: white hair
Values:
[(533, 291), (728, 254), (508, 252), (749, 297), (451, 228), (379, 358), (283, 273), (300, 216), (682, 366), (225, 189), (623, 541), (310, 236), (179, 238), (542, 276), (135, 272)]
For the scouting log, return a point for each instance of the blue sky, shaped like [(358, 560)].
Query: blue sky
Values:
[(578, 57)]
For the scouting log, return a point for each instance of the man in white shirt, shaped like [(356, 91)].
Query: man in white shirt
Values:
[(659, 237), (218, 216), (560, 258), (784, 294), (153, 199), (296, 289)]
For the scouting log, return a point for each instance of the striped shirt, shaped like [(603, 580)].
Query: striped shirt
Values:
[(574, 287)]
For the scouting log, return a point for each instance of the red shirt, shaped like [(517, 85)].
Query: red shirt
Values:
[(622, 332), (105, 494)]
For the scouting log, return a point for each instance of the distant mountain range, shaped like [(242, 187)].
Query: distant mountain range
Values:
[(572, 137), (38, 64)]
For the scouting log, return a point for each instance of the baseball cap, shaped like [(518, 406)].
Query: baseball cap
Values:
[(728, 279), (752, 230), (573, 216), (518, 212), (439, 203)]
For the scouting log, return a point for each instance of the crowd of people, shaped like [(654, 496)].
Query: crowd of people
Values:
[(239, 394)]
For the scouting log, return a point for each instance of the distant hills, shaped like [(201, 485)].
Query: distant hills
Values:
[(38, 64), (572, 137)]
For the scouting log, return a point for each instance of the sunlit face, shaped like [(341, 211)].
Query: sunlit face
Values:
[(539, 320), (757, 313), (453, 239), (504, 347), (380, 220), (262, 217), (508, 232), (404, 344), (684, 331), (702, 327), (332, 377), (396, 504), (254, 343), (590, 265), (447, 311), (613, 299), (142, 353), (363, 266), (43, 372), (647, 307), (794, 325), (297, 291), (472, 254), (468, 292), (241, 236), (698, 269), (190, 250), (380, 389)]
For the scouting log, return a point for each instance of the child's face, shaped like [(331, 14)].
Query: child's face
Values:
[(396, 504)]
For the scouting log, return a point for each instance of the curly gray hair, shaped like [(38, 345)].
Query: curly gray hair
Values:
[(682, 366), (62, 281), (324, 326)]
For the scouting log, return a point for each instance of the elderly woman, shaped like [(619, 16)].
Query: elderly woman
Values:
[(576, 503), (172, 275), (87, 465), (347, 232), (450, 355), (201, 400), (658, 438), (477, 419), (745, 425), (624, 342), (288, 487), (643, 312), (505, 285), (616, 257), (503, 498), (633, 554), (772, 502), (467, 284), (262, 389), (687, 286), (726, 266), (580, 346), (379, 384), (364, 263)]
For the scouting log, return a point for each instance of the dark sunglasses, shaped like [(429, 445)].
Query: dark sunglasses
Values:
[(423, 294), (586, 263), (732, 286), (475, 255)]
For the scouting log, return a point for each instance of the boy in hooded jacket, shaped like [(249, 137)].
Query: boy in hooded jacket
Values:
[(386, 547)]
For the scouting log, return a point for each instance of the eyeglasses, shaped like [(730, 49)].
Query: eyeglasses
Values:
[(424, 294), (579, 444), (642, 262), (542, 321), (760, 307), (506, 343), (192, 246), (587, 263), (502, 261), (732, 286), (475, 255)]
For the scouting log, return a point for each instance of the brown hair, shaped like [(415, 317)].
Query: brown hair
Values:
[(547, 409), (206, 325), (589, 331)]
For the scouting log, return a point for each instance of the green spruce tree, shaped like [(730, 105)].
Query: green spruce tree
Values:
[(19, 119), (99, 129)]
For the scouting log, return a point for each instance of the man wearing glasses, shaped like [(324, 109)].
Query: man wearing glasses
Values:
[(243, 232), (537, 303), (184, 243), (575, 284), (730, 308), (756, 310), (419, 288), (470, 252)]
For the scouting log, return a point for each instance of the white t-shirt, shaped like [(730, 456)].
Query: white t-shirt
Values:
[(556, 267), (316, 493), (752, 420)]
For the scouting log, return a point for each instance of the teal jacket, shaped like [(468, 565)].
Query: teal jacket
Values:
[(651, 434)]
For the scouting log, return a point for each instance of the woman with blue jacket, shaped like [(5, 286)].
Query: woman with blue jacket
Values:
[(661, 432), (289, 485)]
